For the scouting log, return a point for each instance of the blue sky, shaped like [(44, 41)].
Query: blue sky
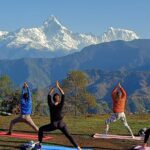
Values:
[(91, 16)]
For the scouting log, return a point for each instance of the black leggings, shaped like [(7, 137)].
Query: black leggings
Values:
[(54, 126), (147, 133)]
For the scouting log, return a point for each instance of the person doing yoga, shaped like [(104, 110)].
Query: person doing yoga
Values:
[(119, 100), (26, 110), (56, 105)]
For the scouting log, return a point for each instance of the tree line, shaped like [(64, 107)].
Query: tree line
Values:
[(78, 99)]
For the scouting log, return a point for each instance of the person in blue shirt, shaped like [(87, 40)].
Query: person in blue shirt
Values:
[(26, 110)]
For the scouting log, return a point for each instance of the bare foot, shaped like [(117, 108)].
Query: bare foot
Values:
[(133, 137), (8, 133), (79, 148), (144, 146)]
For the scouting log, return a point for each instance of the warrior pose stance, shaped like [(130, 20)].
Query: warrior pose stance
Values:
[(119, 100), (26, 110), (56, 106)]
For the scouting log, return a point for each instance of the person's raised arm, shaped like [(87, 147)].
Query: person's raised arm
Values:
[(49, 95), (51, 91), (115, 90), (23, 89), (62, 92), (22, 92), (28, 89), (122, 91), (59, 88)]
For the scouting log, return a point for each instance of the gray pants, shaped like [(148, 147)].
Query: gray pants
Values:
[(23, 118), (114, 118)]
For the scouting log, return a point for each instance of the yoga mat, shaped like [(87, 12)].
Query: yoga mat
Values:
[(24, 136), (140, 148), (55, 147), (120, 137)]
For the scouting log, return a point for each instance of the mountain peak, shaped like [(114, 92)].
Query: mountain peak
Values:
[(52, 18), (53, 38), (110, 28), (2, 33), (113, 34), (119, 30), (52, 22)]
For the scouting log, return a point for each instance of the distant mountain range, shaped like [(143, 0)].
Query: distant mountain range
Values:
[(105, 64), (111, 56), (52, 39)]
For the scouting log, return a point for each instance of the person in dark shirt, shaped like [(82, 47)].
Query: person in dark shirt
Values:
[(147, 134), (56, 106)]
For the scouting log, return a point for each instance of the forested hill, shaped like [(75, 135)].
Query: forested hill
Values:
[(127, 62), (136, 84), (117, 55)]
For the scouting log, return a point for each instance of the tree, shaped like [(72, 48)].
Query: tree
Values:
[(14, 101), (39, 97), (5, 91), (89, 102), (5, 86), (9, 96), (34, 102), (75, 86)]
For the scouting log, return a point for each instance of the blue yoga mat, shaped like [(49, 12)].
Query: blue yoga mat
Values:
[(55, 147)]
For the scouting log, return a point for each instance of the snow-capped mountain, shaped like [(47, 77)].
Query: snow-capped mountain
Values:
[(113, 34), (52, 39), (3, 33)]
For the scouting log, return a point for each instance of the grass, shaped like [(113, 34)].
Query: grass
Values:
[(81, 128)]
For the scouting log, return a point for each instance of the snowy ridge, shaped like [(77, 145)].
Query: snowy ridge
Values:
[(113, 34), (52, 36), (3, 33)]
